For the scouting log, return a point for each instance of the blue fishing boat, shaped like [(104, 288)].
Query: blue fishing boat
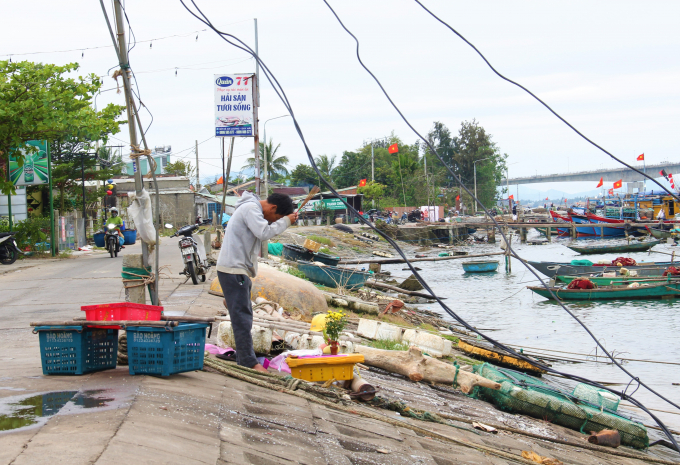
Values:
[(583, 230), (326, 259), (480, 266), (333, 276)]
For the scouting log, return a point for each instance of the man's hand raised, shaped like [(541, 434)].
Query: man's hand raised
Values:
[(293, 218)]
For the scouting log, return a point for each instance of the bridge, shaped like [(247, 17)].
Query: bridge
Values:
[(609, 175)]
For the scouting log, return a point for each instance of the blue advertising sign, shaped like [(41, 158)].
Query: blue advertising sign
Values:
[(234, 105)]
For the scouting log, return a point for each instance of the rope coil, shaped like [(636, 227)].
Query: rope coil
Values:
[(136, 153)]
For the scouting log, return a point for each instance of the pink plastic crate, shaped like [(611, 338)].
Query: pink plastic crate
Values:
[(121, 311)]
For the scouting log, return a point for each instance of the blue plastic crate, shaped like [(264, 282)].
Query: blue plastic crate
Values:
[(76, 350), (166, 351)]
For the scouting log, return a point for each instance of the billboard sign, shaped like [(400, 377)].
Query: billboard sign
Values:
[(328, 204), (34, 170), (234, 105)]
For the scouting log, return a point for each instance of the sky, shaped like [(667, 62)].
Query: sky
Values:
[(611, 68)]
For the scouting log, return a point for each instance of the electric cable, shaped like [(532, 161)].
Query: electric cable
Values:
[(281, 94), (545, 104), (496, 343)]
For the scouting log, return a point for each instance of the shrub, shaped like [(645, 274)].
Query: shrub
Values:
[(321, 240), (30, 232), (388, 344)]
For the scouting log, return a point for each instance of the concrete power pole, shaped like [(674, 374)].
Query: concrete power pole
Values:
[(372, 171), (135, 294), (198, 178)]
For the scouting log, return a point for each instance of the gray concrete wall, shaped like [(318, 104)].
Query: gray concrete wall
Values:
[(177, 209), (124, 185)]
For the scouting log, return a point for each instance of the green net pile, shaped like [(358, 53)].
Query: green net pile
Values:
[(527, 395)]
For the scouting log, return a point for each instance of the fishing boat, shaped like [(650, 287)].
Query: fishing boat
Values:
[(333, 276), (294, 253), (326, 259), (613, 248), (619, 280), (659, 233), (480, 266), (614, 231), (557, 218), (625, 292), (551, 269), (583, 231), (584, 409)]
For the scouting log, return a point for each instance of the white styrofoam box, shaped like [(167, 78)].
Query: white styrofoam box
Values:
[(432, 344), (262, 337), (373, 329)]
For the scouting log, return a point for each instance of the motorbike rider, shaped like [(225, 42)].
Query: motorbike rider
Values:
[(118, 221)]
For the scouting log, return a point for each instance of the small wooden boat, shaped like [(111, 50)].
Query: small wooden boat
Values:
[(480, 266), (294, 253), (618, 280), (326, 259), (668, 290), (615, 248), (659, 233), (333, 276), (551, 269)]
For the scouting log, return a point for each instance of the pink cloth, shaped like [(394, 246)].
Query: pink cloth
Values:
[(213, 349)]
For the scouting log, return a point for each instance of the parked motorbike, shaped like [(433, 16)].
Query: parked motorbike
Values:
[(111, 241), (9, 250), (193, 252)]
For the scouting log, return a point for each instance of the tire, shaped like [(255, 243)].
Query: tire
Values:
[(203, 278), (111, 247), (192, 272), (11, 257)]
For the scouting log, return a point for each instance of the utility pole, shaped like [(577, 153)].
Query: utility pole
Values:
[(198, 178), (372, 171), (135, 294), (257, 63), (256, 136)]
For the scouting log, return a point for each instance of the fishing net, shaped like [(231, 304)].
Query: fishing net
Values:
[(527, 395), (581, 283), (581, 263), (624, 261), (600, 397)]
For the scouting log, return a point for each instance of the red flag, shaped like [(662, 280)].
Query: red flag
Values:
[(220, 181), (394, 148), (641, 157), (511, 197), (362, 183), (618, 184), (611, 191), (547, 198), (457, 197), (599, 184)]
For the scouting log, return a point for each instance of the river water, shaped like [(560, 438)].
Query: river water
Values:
[(500, 302)]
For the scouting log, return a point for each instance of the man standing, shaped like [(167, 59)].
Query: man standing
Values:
[(253, 221)]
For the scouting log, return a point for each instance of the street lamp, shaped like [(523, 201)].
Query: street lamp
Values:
[(474, 165), (266, 171)]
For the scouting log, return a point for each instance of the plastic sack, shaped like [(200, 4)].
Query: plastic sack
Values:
[(200, 248), (279, 362), (140, 210)]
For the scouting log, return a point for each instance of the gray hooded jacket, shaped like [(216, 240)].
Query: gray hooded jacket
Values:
[(243, 238)]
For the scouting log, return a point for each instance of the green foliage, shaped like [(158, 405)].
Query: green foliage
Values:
[(276, 166), (321, 240), (303, 175), (325, 250), (326, 165), (39, 101), (372, 190), (180, 168), (295, 272), (388, 344), (30, 232)]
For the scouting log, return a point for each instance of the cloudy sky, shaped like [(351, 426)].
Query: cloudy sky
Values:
[(610, 68)]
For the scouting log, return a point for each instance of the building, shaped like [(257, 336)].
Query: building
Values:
[(161, 155), (328, 204)]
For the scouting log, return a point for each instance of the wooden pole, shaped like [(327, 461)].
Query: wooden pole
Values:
[(134, 294), (387, 261)]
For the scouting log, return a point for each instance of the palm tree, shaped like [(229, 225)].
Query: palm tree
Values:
[(326, 165), (276, 166)]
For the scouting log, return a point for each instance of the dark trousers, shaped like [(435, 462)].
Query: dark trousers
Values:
[(236, 289)]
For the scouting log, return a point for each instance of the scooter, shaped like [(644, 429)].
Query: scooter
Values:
[(111, 241), (193, 252), (9, 250)]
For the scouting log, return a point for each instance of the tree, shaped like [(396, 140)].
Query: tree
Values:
[(372, 190), (181, 168), (39, 102), (276, 166), (471, 144), (326, 164), (303, 175)]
